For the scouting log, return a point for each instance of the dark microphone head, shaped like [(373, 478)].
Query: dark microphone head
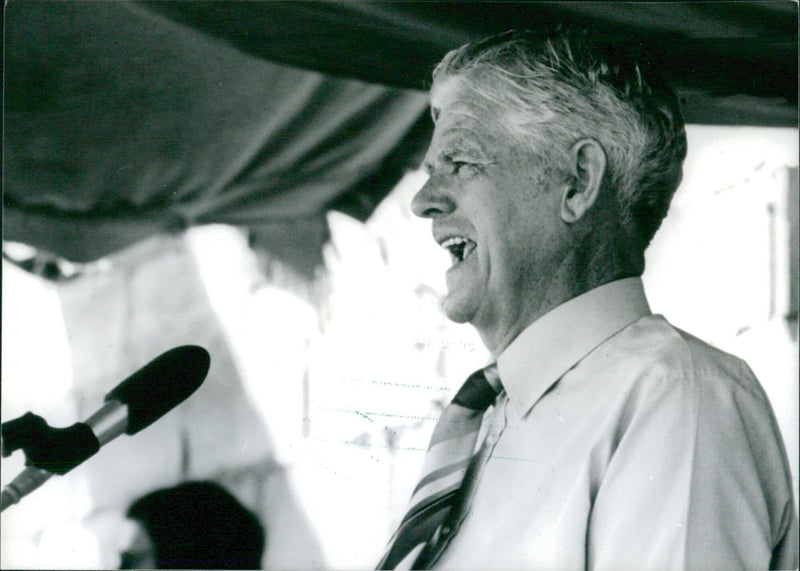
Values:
[(161, 385)]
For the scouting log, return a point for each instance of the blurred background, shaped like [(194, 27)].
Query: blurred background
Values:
[(238, 176)]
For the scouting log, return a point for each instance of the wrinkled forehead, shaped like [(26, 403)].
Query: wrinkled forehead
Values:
[(468, 122), (453, 101), (442, 93)]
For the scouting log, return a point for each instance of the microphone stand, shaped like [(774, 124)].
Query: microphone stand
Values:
[(48, 451)]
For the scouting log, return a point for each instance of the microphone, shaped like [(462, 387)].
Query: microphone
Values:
[(134, 404)]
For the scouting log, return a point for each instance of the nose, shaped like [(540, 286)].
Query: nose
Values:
[(432, 200)]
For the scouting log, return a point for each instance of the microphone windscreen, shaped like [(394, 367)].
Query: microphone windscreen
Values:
[(161, 385)]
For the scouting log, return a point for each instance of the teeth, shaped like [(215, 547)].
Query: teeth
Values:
[(459, 247), (455, 241)]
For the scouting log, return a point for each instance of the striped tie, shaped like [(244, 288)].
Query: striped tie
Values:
[(446, 461)]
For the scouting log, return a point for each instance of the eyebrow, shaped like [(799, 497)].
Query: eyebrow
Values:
[(460, 144), (457, 148)]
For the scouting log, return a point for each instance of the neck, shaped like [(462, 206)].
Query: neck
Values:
[(603, 259), (598, 259)]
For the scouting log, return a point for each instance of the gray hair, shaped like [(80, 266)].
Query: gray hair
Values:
[(559, 89)]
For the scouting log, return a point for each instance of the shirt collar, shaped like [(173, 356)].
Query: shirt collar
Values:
[(552, 344)]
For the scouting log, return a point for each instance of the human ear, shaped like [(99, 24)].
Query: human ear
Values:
[(588, 168)]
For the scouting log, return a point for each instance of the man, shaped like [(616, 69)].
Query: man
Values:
[(616, 441)]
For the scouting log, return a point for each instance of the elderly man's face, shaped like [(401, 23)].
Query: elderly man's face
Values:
[(495, 212)]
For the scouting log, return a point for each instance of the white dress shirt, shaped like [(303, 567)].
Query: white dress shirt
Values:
[(621, 442)]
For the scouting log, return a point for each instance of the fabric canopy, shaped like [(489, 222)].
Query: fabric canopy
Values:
[(125, 119), (121, 123), (734, 63)]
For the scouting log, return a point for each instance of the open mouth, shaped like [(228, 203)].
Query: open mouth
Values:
[(459, 247)]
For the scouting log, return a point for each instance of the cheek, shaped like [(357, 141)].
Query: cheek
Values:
[(511, 247), (518, 222), (522, 243)]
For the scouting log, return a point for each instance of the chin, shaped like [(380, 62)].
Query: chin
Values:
[(458, 312)]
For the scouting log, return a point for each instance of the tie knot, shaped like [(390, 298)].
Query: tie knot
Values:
[(480, 389)]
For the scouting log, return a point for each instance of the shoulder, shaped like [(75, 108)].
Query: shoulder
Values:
[(697, 422), (656, 351), (652, 364)]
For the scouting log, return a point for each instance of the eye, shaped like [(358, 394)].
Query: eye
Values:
[(461, 167), (464, 169)]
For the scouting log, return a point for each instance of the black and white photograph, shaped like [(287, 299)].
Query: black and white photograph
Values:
[(355, 285)]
